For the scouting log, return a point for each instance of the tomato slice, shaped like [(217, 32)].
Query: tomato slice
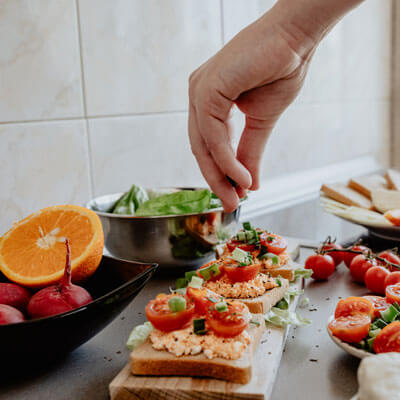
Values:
[(379, 303), (203, 299), (354, 305), (232, 244), (229, 323), (350, 329), (274, 243), (215, 277), (162, 318), (388, 339), (393, 293), (238, 273)]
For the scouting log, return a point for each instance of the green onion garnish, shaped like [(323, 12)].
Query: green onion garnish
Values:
[(255, 322), (199, 326), (177, 304), (390, 314), (246, 226), (221, 306)]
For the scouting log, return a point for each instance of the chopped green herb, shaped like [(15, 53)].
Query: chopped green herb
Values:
[(181, 283), (177, 304), (221, 306), (246, 226), (199, 326)]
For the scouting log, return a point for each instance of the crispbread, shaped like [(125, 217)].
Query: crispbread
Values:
[(385, 200), (365, 184), (262, 304), (393, 179), (147, 361), (346, 195)]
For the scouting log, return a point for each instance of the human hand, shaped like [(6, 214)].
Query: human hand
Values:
[(261, 70)]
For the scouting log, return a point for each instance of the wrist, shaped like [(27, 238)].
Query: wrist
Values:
[(306, 22)]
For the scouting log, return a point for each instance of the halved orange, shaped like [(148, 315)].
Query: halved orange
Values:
[(32, 252)]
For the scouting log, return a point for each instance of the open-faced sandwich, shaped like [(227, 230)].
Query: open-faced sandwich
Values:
[(238, 277), (266, 248), (203, 336)]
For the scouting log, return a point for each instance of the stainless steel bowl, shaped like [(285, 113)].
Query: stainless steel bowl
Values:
[(170, 241)]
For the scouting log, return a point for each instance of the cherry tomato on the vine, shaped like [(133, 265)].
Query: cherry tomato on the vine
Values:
[(348, 257), (374, 279), (359, 266), (336, 255), (391, 257), (322, 266)]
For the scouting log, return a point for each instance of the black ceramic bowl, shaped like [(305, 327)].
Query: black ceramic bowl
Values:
[(113, 286)]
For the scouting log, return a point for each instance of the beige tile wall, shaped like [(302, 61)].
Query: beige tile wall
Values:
[(93, 95)]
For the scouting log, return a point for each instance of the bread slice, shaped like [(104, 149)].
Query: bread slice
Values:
[(393, 179), (385, 200), (365, 184), (147, 361), (262, 304), (346, 195)]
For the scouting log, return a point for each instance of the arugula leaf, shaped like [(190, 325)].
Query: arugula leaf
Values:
[(283, 318), (182, 202), (138, 335)]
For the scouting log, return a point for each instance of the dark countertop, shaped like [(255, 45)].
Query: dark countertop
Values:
[(312, 367)]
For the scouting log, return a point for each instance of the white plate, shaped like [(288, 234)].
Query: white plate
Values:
[(348, 348), (375, 222)]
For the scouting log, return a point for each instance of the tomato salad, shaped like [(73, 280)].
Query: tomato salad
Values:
[(371, 323)]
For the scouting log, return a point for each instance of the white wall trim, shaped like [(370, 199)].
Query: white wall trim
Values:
[(289, 190)]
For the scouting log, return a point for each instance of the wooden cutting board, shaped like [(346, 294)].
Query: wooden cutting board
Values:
[(265, 366)]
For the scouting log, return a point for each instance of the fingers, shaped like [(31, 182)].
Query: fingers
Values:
[(212, 114), (211, 172), (251, 147)]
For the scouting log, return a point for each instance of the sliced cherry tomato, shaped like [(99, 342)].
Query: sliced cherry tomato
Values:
[(229, 323), (203, 299), (162, 318), (351, 329), (274, 243), (238, 273), (348, 257), (374, 279), (392, 278), (379, 303), (322, 266), (391, 257), (232, 244), (393, 293), (359, 266), (388, 339), (393, 216), (336, 255), (215, 277), (353, 306)]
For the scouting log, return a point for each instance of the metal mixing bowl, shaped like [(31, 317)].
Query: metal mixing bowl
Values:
[(170, 241)]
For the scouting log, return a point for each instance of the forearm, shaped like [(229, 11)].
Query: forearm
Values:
[(306, 22)]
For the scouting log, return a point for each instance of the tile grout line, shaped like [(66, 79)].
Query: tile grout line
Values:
[(83, 87), (221, 8)]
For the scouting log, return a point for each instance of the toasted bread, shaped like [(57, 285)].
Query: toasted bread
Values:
[(393, 179), (365, 184), (262, 304), (346, 195), (385, 200), (147, 361)]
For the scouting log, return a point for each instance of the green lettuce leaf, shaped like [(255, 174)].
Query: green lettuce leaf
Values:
[(279, 317), (138, 335), (302, 272), (182, 202), (130, 201)]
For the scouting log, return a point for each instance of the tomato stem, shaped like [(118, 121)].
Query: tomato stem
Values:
[(369, 254)]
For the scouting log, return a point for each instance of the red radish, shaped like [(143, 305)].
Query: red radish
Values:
[(10, 315), (14, 295), (57, 299)]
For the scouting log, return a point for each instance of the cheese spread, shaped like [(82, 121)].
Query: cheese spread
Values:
[(242, 290), (186, 342)]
